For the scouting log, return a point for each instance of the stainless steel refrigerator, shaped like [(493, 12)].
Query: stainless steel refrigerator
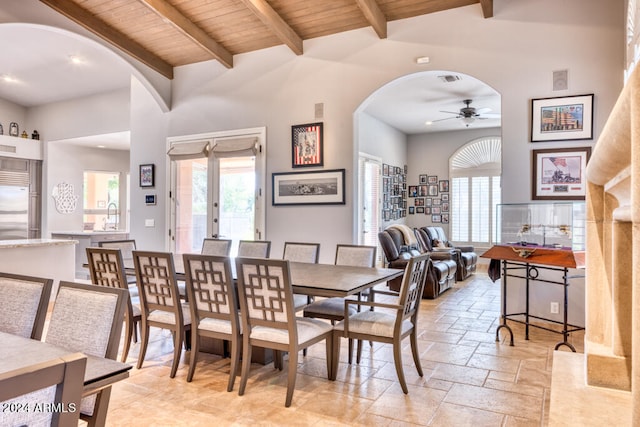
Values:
[(14, 212)]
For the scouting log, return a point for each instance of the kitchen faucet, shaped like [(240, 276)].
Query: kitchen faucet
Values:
[(115, 213)]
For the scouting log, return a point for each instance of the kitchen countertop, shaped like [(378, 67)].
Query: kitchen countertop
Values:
[(23, 243), (88, 233)]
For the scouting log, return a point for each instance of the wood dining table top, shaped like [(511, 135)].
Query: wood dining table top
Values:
[(18, 352), (323, 280)]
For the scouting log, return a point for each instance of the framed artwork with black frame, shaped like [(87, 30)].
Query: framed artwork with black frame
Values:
[(562, 118), (559, 173), (325, 187), (307, 148), (147, 175)]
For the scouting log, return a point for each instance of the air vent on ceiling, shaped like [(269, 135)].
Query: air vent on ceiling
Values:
[(449, 78)]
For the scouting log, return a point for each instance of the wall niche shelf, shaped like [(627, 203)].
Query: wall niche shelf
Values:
[(23, 148)]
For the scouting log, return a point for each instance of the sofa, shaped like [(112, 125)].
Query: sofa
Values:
[(400, 243), (466, 258)]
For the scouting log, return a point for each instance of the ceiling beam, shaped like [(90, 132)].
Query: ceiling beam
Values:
[(110, 35), (374, 15), (172, 16), (274, 21), (487, 8)]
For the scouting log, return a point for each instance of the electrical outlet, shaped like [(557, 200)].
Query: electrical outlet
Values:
[(555, 308)]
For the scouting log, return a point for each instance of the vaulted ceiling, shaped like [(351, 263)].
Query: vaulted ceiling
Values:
[(164, 34)]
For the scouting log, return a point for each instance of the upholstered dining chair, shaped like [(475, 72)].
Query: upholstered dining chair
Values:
[(88, 319), (57, 382), (269, 320), (106, 268), (254, 248), (332, 309), (25, 300), (217, 247), (388, 327), (126, 247), (301, 252), (214, 306), (160, 302)]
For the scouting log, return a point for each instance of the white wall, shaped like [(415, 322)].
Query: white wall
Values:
[(67, 163)]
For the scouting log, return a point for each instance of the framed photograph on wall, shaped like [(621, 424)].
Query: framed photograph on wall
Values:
[(308, 188), (562, 118), (443, 185), (559, 174), (307, 147), (147, 175)]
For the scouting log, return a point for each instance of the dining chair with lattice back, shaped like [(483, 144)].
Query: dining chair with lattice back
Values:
[(25, 300), (269, 320), (214, 306), (160, 302), (126, 246), (216, 247), (332, 309), (254, 248), (106, 268), (88, 319), (391, 324)]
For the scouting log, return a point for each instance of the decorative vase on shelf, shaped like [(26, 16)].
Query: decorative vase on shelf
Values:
[(35, 135), (24, 134)]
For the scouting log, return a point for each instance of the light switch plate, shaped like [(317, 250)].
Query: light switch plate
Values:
[(149, 222)]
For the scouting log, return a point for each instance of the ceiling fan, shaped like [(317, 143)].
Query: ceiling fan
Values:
[(469, 114)]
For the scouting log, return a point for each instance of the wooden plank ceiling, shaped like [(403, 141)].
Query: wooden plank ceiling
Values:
[(164, 34)]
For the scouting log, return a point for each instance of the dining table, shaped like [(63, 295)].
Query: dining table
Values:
[(18, 352)]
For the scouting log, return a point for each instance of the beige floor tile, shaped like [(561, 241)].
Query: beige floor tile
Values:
[(449, 415)]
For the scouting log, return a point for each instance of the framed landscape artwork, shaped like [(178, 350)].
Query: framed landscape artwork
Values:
[(307, 147), (309, 188), (559, 174), (562, 118)]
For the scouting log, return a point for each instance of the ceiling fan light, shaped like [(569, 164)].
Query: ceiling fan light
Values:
[(468, 120)]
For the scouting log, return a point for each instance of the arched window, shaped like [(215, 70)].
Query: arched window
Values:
[(475, 171)]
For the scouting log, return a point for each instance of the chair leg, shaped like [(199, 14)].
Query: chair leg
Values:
[(246, 364), (193, 357), (359, 352), (414, 350), (351, 351), (293, 373), (128, 328), (144, 338), (235, 359), (177, 351), (335, 357), (397, 358), (329, 355)]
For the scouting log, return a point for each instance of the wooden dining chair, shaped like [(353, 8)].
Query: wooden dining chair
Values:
[(126, 246), (301, 252), (269, 320), (214, 306), (332, 309), (106, 268), (216, 247), (254, 248), (388, 327), (58, 382), (160, 302), (88, 319), (25, 300)]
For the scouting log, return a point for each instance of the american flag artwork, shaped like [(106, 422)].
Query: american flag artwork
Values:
[(307, 145)]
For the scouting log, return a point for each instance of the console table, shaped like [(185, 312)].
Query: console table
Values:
[(530, 259)]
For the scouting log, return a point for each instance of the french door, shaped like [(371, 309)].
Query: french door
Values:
[(216, 191), (369, 200)]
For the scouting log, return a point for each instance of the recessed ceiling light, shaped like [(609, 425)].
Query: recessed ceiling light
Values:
[(76, 59), (423, 60), (101, 146), (428, 123), (7, 78)]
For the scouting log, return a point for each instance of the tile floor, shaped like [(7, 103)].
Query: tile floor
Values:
[(469, 379)]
